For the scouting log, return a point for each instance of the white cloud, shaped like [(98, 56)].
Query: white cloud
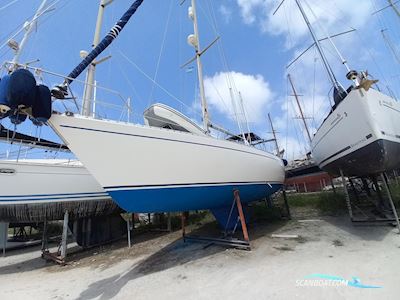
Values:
[(335, 16), (255, 91), (248, 9), (226, 13)]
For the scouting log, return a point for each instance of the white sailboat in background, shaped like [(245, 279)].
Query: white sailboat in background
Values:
[(361, 134), (171, 165), (34, 190)]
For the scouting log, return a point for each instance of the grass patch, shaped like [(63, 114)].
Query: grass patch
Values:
[(327, 202), (395, 189), (261, 212)]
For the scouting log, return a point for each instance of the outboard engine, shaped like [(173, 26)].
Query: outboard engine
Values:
[(21, 89), (4, 103)]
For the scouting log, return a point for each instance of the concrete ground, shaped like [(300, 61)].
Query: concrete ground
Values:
[(162, 266)]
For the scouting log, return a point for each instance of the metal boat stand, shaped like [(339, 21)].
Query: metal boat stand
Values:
[(359, 212), (227, 238), (61, 254)]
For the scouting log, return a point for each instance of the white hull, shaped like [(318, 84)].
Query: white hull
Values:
[(36, 189), (152, 169), (361, 136)]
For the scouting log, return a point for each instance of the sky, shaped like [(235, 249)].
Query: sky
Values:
[(251, 56)]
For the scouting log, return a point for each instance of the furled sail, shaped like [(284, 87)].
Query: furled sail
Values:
[(60, 91)]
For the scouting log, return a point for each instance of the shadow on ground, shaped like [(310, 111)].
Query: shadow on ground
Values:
[(365, 232), (175, 254), (75, 253)]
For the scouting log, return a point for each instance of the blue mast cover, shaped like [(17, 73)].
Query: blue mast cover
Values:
[(109, 38)]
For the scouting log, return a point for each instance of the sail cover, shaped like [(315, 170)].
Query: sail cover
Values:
[(107, 40)]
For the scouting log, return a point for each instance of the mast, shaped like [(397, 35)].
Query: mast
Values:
[(331, 76), (194, 40), (298, 104), (87, 105), (29, 27), (244, 112), (395, 8), (274, 135), (233, 100)]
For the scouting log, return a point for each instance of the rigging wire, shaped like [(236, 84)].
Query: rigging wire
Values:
[(150, 100), (314, 86), (22, 27), (229, 78), (363, 42), (343, 61), (287, 115), (151, 79), (7, 5)]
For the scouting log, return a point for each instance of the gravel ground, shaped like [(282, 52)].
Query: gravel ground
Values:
[(162, 266)]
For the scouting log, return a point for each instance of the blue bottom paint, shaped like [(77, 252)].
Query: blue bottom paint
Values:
[(177, 199)]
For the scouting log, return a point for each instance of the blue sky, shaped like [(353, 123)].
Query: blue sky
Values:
[(257, 46)]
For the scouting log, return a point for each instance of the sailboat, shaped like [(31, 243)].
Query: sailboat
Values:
[(361, 134), (169, 164), (35, 190)]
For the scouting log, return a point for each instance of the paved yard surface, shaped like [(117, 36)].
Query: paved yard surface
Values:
[(161, 266)]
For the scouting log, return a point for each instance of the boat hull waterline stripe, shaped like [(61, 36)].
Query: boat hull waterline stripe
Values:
[(54, 198), (109, 188)]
